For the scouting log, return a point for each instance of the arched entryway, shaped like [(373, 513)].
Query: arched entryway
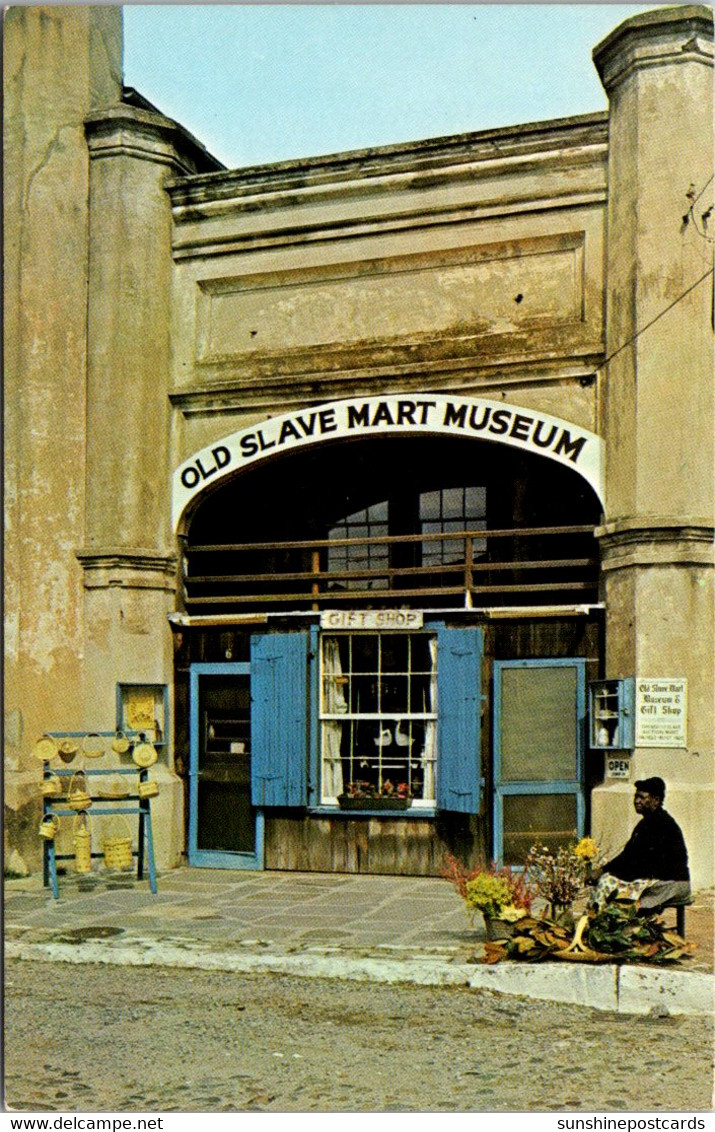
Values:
[(489, 549), (414, 519)]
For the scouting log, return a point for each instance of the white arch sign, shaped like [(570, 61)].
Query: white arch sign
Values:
[(432, 413)]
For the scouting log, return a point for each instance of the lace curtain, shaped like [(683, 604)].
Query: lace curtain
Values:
[(333, 703), (430, 748)]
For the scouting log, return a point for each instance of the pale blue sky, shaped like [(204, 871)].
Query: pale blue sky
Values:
[(267, 82)]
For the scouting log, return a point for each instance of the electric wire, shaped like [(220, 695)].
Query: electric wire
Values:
[(642, 330)]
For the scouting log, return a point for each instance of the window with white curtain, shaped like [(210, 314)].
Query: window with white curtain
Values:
[(378, 713)]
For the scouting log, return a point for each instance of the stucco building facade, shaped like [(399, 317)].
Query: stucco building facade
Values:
[(390, 467)]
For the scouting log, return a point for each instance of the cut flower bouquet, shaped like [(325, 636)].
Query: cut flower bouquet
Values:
[(495, 891), (558, 876)]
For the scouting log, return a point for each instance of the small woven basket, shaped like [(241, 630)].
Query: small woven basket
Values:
[(144, 755), (52, 787), (92, 745), (113, 788), (120, 743), (45, 749), (49, 827), (118, 849), (82, 844), (148, 789), (67, 750), (78, 796)]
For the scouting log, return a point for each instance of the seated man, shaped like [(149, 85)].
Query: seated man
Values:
[(652, 868)]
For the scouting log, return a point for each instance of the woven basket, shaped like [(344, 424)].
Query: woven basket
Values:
[(45, 749), (148, 789), (52, 787), (82, 844), (49, 827), (114, 788), (67, 750), (118, 849), (144, 755), (78, 797), (92, 745), (120, 743)]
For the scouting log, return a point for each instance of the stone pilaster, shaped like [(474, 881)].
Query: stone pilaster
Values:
[(657, 396), (128, 557)]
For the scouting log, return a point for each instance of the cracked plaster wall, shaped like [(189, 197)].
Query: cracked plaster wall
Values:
[(46, 194)]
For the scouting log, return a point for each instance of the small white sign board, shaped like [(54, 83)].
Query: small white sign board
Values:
[(618, 767), (661, 712), (395, 619)]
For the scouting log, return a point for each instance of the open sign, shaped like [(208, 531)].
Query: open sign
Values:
[(618, 768)]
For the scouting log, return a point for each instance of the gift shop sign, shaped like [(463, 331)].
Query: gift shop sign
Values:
[(661, 712), (392, 619), (495, 421)]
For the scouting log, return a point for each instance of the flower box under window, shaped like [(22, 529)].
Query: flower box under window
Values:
[(346, 802)]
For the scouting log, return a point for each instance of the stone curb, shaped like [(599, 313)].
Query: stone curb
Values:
[(625, 990)]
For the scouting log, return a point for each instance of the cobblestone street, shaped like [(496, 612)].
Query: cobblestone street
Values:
[(93, 1038)]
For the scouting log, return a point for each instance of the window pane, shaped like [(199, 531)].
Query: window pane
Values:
[(546, 819), (370, 693), (364, 653), (430, 504), (364, 695), (475, 502), (420, 694), (453, 502), (394, 692), (452, 509), (371, 522), (394, 653), (539, 740), (420, 653)]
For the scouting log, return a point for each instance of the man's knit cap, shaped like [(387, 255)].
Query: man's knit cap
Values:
[(654, 786)]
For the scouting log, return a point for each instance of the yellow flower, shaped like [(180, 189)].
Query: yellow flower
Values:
[(586, 849), (511, 913)]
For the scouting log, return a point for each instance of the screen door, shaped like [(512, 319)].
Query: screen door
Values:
[(539, 734)]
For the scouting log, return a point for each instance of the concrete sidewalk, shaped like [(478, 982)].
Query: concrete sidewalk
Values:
[(380, 928)]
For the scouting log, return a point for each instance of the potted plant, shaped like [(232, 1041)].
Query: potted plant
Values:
[(501, 896), (367, 796)]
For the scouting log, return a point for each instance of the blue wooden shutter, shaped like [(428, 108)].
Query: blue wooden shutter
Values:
[(459, 686), (279, 726)]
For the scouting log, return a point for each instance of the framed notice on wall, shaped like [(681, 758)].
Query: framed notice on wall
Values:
[(142, 708), (661, 712)]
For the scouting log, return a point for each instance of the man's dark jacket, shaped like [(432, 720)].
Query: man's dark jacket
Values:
[(655, 850)]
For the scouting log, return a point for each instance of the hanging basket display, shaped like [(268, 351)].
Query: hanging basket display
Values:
[(120, 743), (82, 844), (92, 745), (78, 796), (148, 789), (49, 827), (45, 749), (118, 848)]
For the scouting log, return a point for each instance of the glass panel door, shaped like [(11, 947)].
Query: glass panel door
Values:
[(539, 739), (225, 830)]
